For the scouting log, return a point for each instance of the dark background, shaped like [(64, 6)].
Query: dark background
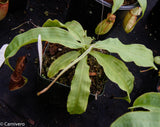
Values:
[(24, 106)]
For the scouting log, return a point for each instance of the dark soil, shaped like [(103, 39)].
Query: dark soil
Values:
[(97, 75), (126, 2)]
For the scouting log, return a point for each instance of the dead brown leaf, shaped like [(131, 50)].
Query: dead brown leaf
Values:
[(17, 80)]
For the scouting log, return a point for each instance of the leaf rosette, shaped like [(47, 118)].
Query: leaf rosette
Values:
[(73, 36)]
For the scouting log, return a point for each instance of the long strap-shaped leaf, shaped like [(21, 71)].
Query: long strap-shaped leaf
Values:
[(74, 27), (80, 89), (78, 32), (143, 4), (150, 101), (62, 62), (116, 5), (50, 34), (138, 119), (116, 71), (136, 53), (53, 23)]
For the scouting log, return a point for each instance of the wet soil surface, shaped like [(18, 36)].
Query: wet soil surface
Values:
[(23, 106)]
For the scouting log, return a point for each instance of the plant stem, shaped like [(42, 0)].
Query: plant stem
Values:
[(147, 69), (26, 22), (64, 70)]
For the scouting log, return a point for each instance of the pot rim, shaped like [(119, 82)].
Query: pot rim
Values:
[(126, 7), (49, 80)]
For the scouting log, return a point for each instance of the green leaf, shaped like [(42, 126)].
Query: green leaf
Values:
[(136, 53), (138, 119), (74, 27), (150, 101), (50, 34), (53, 23), (116, 71), (80, 89), (62, 62), (116, 5), (157, 60), (76, 30), (143, 4), (87, 40)]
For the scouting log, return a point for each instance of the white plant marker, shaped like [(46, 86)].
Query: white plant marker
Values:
[(40, 52), (2, 51)]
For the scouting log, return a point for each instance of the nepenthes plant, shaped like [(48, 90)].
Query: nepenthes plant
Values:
[(73, 36)]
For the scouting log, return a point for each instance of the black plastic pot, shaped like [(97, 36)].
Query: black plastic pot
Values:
[(126, 7), (57, 95)]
